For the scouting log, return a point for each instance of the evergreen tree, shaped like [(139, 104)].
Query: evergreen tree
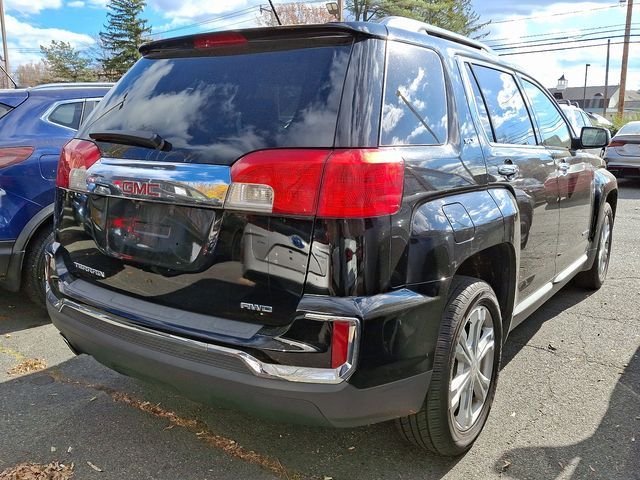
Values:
[(123, 34), (65, 64), (455, 15)]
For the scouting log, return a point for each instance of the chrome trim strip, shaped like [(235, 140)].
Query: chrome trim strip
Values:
[(575, 266), (193, 184), (256, 367), (533, 298)]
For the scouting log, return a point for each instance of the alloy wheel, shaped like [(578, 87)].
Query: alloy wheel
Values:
[(472, 369)]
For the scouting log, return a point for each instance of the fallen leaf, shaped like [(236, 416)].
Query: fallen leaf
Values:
[(592, 469), (327, 478), (53, 449), (92, 399), (505, 465), (351, 449), (552, 348), (561, 465), (69, 450), (169, 427), (29, 365), (7, 335), (97, 469), (27, 471)]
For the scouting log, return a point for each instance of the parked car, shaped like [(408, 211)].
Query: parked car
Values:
[(401, 195), (35, 123), (622, 156), (577, 117), (598, 120)]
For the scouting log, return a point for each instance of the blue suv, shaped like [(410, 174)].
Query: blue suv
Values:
[(35, 123)]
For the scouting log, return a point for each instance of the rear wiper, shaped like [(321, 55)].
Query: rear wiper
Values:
[(132, 137)]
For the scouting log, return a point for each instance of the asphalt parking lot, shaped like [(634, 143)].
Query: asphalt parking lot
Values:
[(567, 407)]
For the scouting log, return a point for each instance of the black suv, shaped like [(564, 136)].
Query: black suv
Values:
[(332, 224)]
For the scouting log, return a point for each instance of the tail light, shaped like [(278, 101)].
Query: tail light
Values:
[(77, 156), (12, 155), (213, 40), (356, 183), (617, 143)]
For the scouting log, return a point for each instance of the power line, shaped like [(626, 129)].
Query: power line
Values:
[(565, 37), (556, 33), (564, 48), (566, 41), (558, 14)]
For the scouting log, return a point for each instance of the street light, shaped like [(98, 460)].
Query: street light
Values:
[(333, 9), (584, 92)]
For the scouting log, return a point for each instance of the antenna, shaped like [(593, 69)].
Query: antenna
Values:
[(275, 13)]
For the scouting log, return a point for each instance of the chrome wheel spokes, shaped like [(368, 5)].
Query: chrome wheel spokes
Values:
[(472, 368), (605, 247)]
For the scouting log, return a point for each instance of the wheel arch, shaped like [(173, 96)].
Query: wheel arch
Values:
[(43, 219)]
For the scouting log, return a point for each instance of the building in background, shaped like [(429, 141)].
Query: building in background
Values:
[(595, 97)]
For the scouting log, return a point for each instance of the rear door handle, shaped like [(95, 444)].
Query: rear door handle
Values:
[(508, 170), (563, 166)]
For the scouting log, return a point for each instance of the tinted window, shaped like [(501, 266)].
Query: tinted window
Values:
[(415, 103), (67, 115), (575, 119), (507, 110), (216, 108), (482, 106), (4, 109), (89, 105), (553, 129)]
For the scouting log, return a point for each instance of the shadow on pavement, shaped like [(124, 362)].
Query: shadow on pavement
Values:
[(566, 298), (18, 313), (611, 453)]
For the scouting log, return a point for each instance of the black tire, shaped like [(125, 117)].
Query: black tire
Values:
[(593, 278), (33, 267), (434, 427)]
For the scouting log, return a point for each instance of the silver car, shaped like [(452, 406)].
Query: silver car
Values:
[(622, 156)]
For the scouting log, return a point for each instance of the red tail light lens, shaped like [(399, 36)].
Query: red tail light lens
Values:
[(617, 143), (362, 183), (354, 183), (77, 156), (278, 181), (12, 155), (219, 40)]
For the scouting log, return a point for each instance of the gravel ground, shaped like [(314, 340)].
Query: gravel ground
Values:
[(567, 407)]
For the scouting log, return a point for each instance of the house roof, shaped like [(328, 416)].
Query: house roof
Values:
[(577, 93)]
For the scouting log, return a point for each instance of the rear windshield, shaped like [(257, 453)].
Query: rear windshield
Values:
[(214, 109), (632, 128)]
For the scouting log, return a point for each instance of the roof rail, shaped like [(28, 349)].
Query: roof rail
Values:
[(47, 86), (422, 27)]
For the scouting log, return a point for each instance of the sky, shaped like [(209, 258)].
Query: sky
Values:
[(31, 23)]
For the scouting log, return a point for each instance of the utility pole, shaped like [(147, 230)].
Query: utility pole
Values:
[(341, 10), (5, 81), (625, 59), (584, 92), (606, 81)]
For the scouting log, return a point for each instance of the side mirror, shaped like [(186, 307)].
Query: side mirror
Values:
[(594, 137)]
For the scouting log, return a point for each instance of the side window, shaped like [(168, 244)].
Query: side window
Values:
[(67, 115), (89, 105), (480, 103), (553, 129), (507, 110), (415, 101)]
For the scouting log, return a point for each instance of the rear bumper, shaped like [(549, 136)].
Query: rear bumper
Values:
[(205, 373)]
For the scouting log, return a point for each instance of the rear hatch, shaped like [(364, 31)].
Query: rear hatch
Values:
[(147, 217)]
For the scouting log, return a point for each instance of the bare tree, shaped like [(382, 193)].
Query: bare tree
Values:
[(31, 74), (296, 14)]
